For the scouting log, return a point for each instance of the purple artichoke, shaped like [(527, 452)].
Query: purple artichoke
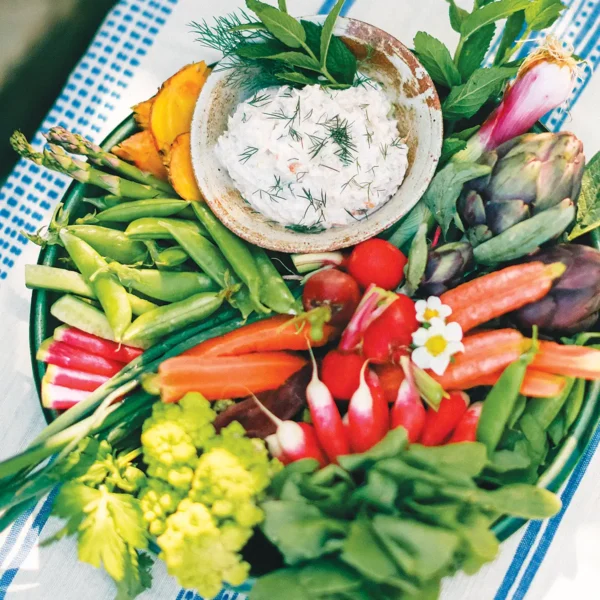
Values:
[(573, 303), (446, 267)]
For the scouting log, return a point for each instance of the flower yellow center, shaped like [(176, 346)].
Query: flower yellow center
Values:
[(430, 313), (436, 344)]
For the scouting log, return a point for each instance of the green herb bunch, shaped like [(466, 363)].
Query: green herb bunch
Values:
[(278, 48)]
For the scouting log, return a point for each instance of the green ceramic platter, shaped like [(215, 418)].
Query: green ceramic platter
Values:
[(42, 325)]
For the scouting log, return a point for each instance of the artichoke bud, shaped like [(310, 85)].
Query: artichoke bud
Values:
[(446, 267), (479, 234), (471, 208), (502, 215)]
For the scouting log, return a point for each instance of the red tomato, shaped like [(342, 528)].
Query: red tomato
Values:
[(379, 262), (388, 337), (341, 373), (334, 289)]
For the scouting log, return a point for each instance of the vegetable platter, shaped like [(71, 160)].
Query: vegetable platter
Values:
[(352, 424)]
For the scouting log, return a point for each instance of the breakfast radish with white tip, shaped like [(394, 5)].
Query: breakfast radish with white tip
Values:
[(408, 410)]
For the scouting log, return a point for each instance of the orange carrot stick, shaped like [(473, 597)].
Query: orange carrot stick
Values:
[(485, 353), (536, 384), (226, 376), (570, 361), (269, 335), (491, 296)]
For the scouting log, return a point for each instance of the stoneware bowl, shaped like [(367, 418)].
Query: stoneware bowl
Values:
[(419, 121)]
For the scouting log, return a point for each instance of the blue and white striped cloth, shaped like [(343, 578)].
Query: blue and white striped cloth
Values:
[(140, 44)]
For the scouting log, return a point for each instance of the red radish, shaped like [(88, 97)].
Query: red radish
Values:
[(408, 410), (368, 413), (95, 345), (466, 429), (389, 336), (341, 373), (326, 417), (440, 425), (377, 262), (77, 380), (296, 440), (61, 398), (334, 289), (62, 355), (275, 448), (305, 263), (390, 378), (346, 422), (373, 303)]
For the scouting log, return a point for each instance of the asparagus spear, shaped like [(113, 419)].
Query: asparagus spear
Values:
[(56, 159), (77, 144)]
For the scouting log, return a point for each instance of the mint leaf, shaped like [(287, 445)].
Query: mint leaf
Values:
[(436, 59), (282, 5), (443, 191), (512, 30), (465, 100), (297, 59), (541, 14), (327, 32), (457, 15), (466, 134), (474, 51), (490, 14), (297, 78), (284, 27), (262, 50), (450, 147), (588, 205), (417, 261)]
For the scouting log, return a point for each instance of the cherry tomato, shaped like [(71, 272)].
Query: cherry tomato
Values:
[(379, 262), (389, 336), (341, 373), (335, 289)]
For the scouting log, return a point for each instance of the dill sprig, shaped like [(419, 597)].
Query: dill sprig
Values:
[(316, 145), (369, 136), (318, 204), (247, 154), (259, 101), (338, 131), (397, 143)]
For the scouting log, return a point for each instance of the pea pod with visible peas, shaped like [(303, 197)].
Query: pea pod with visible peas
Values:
[(274, 291), (137, 209), (150, 228), (168, 286), (111, 243), (210, 259), (235, 250), (164, 320), (110, 293)]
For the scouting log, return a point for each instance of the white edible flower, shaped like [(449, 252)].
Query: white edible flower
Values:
[(431, 308), (436, 345)]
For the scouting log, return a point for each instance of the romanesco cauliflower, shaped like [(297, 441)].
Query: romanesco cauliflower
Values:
[(158, 501)]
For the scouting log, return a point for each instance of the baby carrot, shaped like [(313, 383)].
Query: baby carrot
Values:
[(570, 361), (268, 335), (226, 376), (536, 384), (498, 293)]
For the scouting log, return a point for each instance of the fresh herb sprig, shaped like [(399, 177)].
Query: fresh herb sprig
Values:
[(279, 48)]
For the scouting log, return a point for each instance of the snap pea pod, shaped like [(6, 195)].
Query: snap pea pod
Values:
[(166, 258), (150, 228), (274, 291), (574, 403), (544, 410), (71, 282), (210, 259), (500, 402), (110, 293), (104, 202), (111, 243), (235, 250), (137, 209), (163, 285), (166, 319)]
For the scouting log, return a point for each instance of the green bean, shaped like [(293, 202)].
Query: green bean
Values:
[(500, 402), (574, 403), (111, 243), (235, 250), (163, 285), (274, 291), (544, 410), (130, 211), (107, 289), (166, 258), (210, 259), (150, 228), (167, 319)]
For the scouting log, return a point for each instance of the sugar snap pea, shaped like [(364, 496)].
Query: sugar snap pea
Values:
[(574, 403), (544, 410), (150, 228), (235, 250), (109, 291), (166, 258), (274, 291), (104, 202), (130, 211), (167, 319), (111, 243), (163, 285)]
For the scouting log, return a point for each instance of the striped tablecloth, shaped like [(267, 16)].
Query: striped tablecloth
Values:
[(140, 44)]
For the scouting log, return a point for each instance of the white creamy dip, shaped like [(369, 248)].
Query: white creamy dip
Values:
[(314, 157)]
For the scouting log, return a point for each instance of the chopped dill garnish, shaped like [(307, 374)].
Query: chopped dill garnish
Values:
[(316, 145), (289, 119), (339, 133), (328, 167), (365, 81), (308, 115), (300, 176), (384, 148), (244, 118), (353, 216), (317, 204), (247, 154), (350, 181), (274, 192), (295, 135), (397, 143), (288, 93), (369, 136), (260, 100)]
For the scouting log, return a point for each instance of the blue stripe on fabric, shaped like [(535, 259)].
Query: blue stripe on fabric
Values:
[(554, 523), (329, 4), (28, 543), (13, 534)]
